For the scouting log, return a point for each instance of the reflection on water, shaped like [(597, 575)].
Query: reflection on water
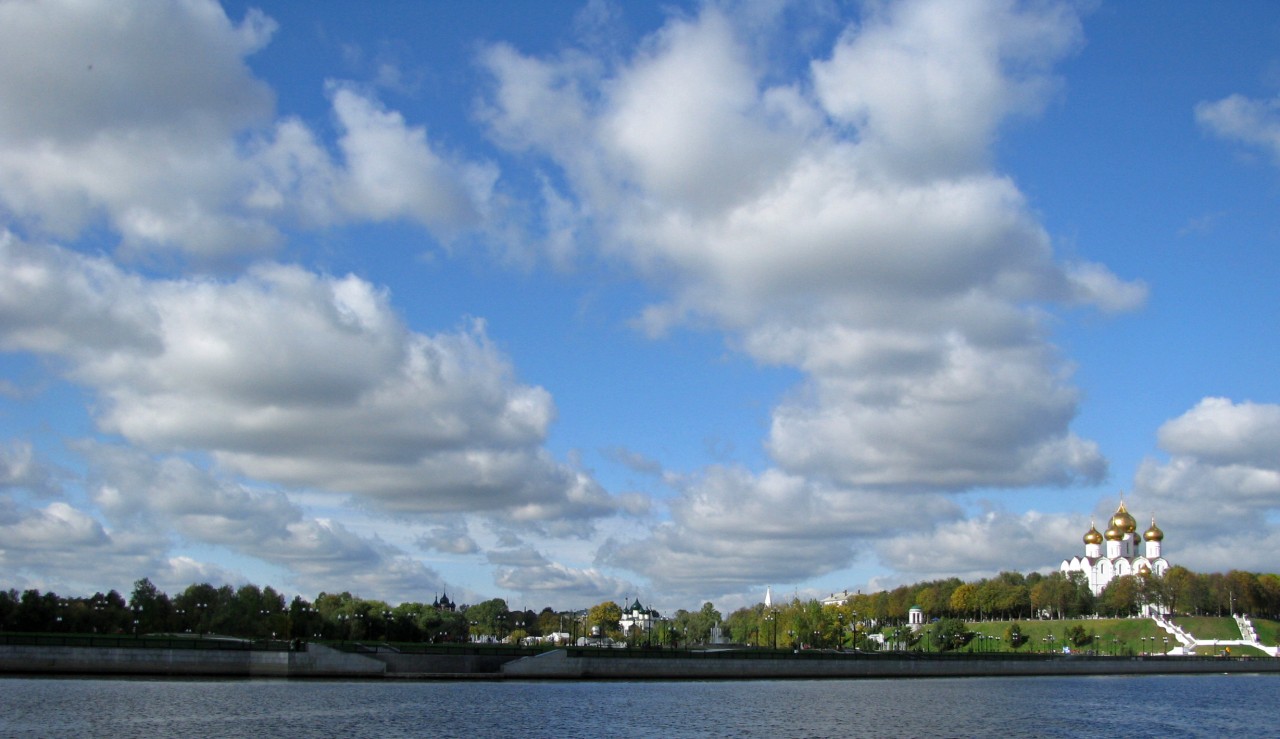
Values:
[(1216, 705)]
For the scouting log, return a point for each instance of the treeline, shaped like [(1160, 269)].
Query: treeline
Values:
[(1008, 596), (263, 613), (253, 613)]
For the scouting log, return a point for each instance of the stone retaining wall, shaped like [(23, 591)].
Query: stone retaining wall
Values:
[(560, 665), (317, 661)]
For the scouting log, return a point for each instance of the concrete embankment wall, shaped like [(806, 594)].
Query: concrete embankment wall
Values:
[(441, 665), (316, 661), (560, 665)]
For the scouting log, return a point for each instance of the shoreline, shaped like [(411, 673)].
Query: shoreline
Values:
[(321, 662)]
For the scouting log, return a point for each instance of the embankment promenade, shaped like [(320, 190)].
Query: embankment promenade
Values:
[(360, 662)]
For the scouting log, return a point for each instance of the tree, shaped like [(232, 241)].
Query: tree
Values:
[(744, 624), (1053, 594), (606, 616), (1083, 602), (964, 600), (8, 606), (550, 622), (1181, 587), (151, 608), (1013, 636), (488, 618), (950, 633), (1077, 636), (1120, 598)]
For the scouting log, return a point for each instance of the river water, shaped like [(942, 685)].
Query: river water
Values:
[(1145, 706)]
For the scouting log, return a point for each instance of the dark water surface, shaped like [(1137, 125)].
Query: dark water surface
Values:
[(1146, 706)]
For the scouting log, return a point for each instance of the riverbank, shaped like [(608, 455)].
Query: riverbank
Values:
[(319, 661), (751, 665)]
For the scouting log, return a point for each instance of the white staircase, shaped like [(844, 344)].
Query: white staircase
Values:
[(1250, 635), (1187, 643)]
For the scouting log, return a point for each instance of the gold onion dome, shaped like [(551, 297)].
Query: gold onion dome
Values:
[(1123, 521), (1154, 533), (1092, 536), (1114, 534)]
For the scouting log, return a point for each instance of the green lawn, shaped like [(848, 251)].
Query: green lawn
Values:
[(1209, 627), (1113, 635), (1116, 635), (1268, 631)]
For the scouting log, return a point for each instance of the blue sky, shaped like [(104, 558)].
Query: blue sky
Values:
[(564, 302)]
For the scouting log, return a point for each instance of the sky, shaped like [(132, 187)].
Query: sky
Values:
[(564, 302)]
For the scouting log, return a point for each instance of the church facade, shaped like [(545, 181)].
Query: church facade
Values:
[(1119, 551)]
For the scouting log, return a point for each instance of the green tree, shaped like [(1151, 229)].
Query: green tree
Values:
[(743, 625), (1120, 597), (8, 606), (1013, 636), (1077, 635), (964, 600), (488, 618), (606, 616), (151, 608), (950, 633)]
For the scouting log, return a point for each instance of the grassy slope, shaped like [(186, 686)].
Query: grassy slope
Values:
[(1115, 635), (1209, 627), (1268, 631)]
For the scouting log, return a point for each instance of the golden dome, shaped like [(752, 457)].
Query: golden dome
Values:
[(1154, 533), (1123, 521), (1114, 534), (1092, 536)]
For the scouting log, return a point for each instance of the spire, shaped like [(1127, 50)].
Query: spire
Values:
[(768, 596)]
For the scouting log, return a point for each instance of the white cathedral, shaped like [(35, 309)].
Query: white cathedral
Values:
[(1121, 556)]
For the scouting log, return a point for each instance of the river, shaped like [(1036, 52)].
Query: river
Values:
[(1146, 706)]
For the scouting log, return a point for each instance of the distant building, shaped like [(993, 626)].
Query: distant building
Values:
[(1125, 553), (444, 604), (637, 617)]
